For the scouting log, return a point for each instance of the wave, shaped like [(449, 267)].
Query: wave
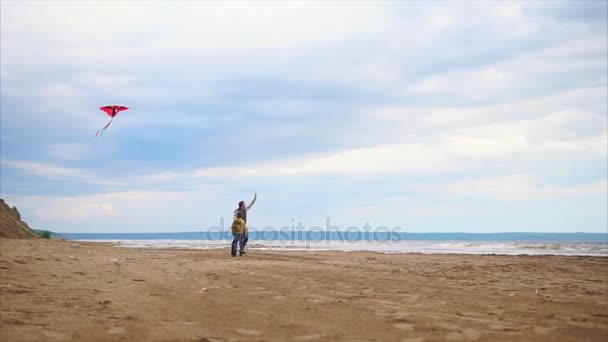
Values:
[(426, 247)]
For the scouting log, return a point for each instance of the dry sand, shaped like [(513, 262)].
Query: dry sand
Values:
[(65, 290)]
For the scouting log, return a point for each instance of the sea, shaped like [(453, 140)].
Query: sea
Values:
[(584, 244)]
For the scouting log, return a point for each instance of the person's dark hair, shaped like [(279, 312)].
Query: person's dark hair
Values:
[(241, 203)]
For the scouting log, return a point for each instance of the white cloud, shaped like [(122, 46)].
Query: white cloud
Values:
[(548, 137), (94, 206), (44, 170), (569, 118), (530, 69), (512, 187), (129, 32), (412, 210), (125, 211), (60, 92), (416, 140), (69, 151), (55, 172)]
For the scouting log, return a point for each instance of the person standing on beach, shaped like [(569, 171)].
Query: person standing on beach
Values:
[(240, 232), (238, 229)]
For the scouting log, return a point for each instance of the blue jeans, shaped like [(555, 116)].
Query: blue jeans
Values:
[(245, 239), (237, 239)]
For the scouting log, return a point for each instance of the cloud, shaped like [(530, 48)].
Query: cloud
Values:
[(412, 210), (124, 211), (559, 11), (95, 206), (513, 187), (69, 151), (315, 102), (203, 30), (558, 127), (533, 70), (467, 142), (55, 172), (44, 170)]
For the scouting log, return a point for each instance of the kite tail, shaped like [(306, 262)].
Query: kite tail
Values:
[(104, 127)]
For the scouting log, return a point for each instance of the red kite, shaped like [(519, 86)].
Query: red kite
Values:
[(112, 111)]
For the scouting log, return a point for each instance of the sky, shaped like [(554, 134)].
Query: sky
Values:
[(485, 116)]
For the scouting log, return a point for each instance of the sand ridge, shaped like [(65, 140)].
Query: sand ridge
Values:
[(66, 290)]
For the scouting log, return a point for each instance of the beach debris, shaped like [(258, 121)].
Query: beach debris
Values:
[(511, 294), (112, 111)]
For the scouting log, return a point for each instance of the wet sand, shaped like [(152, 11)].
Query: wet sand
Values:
[(66, 290)]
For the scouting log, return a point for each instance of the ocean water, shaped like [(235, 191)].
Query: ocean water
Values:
[(592, 244)]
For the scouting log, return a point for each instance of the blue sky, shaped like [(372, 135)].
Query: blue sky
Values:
[(431, 116)]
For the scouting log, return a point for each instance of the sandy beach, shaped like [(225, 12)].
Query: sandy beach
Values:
[(53, 290)]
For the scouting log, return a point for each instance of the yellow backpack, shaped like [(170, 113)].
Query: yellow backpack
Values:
[(238, 226)]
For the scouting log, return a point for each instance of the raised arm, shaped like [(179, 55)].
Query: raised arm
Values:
[(255, 196)]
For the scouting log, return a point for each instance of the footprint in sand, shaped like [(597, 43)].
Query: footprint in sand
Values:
[(248, 332)]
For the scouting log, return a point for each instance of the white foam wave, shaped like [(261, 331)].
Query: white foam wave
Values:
[(427, 247)]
